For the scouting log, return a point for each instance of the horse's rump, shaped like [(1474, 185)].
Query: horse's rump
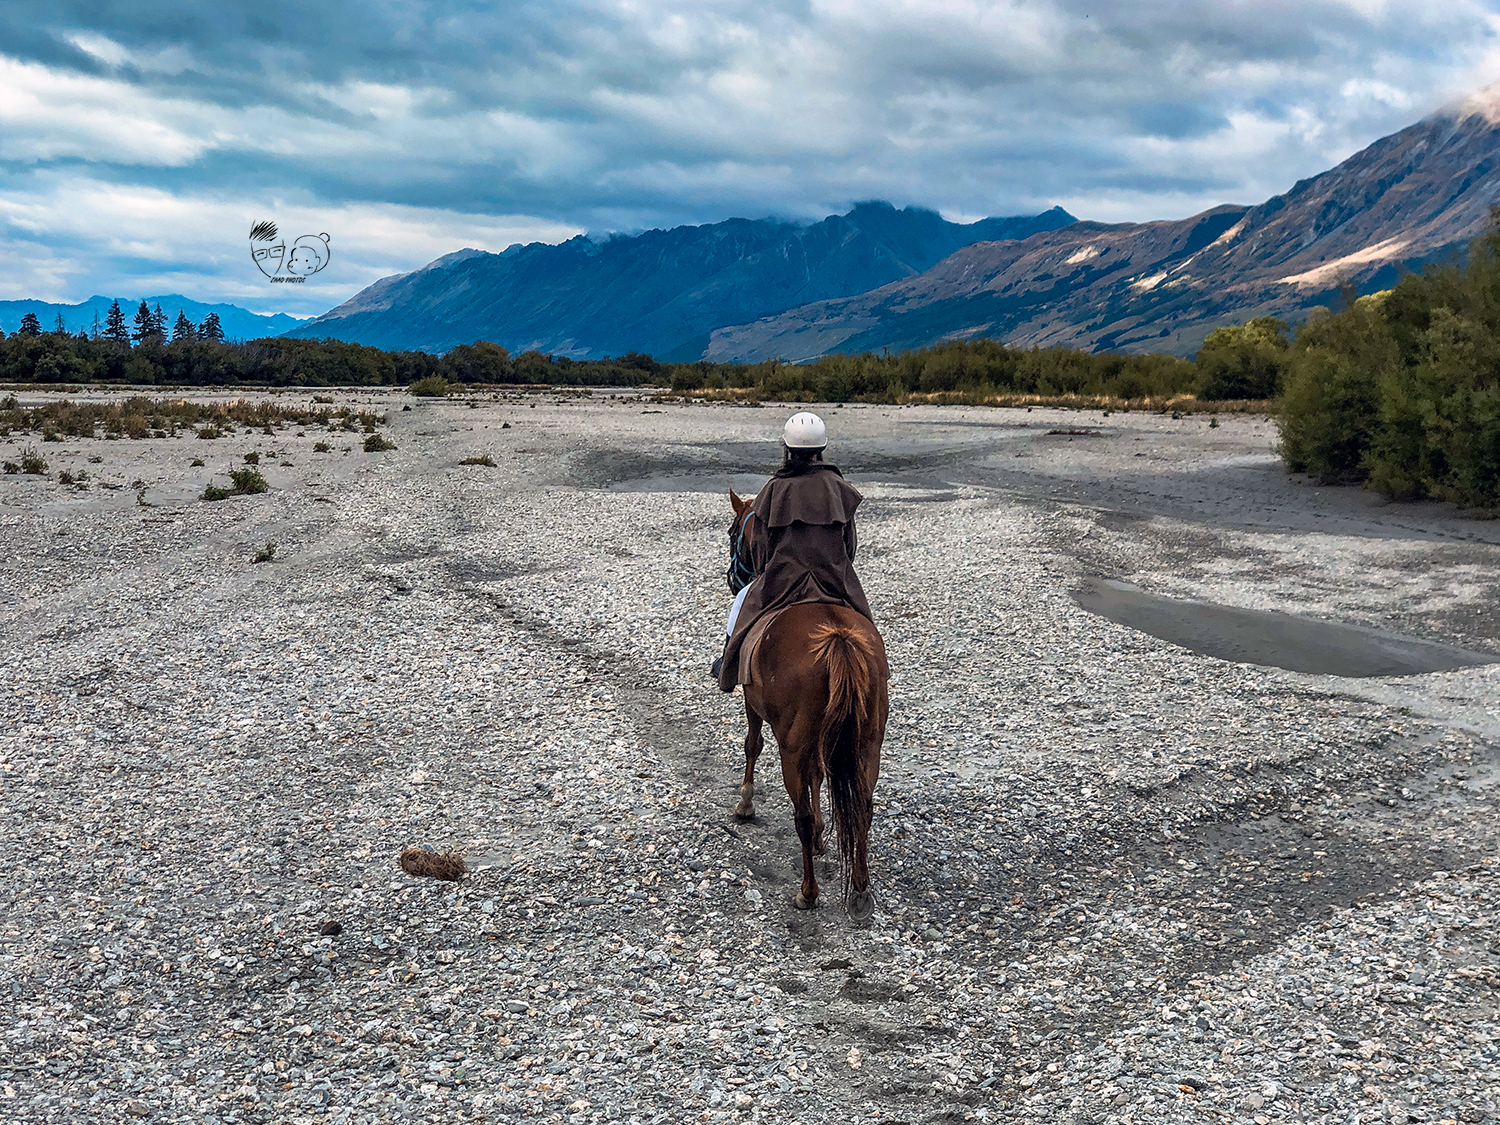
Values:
[(848, 652)]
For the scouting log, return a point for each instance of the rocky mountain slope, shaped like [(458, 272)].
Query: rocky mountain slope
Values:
[(662, 292), (1412, 197)]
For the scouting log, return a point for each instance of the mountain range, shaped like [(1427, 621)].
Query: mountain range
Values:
[(663, 292), (238, 323), (1410, 198), (879, 278)]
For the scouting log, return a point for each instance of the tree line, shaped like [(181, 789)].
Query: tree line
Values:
[(145, 352), (1400, 389)]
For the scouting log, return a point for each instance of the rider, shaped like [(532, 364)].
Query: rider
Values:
[(805, 542)]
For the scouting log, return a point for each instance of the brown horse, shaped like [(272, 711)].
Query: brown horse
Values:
[(824, 694)]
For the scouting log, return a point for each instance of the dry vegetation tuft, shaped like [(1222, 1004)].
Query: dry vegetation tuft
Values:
[(433, 865)]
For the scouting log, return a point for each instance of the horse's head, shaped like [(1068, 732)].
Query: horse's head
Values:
[(742, 531)]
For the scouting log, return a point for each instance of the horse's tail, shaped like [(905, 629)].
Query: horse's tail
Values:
[(850, 659)]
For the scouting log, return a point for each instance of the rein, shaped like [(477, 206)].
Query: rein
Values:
[(740, 575)]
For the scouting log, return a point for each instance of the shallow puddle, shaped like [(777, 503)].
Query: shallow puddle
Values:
[(1279, 640)]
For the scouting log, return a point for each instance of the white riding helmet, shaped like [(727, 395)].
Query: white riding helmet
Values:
[(804, 431)]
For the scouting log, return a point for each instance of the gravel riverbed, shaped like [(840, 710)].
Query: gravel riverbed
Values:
[(1117, 880)]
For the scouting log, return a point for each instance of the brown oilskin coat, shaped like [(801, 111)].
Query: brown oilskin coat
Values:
[(803, 552)]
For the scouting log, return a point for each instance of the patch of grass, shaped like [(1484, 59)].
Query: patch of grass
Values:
[(32, 462), (12, 468), (66, 477), (483, 459), (321, 447), (377, 443), (323, 398), (139, 416), (209, 433), (51, 435), (264, 553), (252, 458), (196, 462)]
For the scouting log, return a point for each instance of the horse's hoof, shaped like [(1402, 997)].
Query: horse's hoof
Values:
[(861, 908), (802, 903), (744, 812)]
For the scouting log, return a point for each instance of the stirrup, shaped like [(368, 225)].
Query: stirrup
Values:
[(718, 666)]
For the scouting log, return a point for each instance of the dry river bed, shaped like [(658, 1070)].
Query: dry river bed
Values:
[(1120, 879)]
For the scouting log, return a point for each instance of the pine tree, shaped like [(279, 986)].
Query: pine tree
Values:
[(95, 334), (183, 329), (159, 319), (30, 326), (114, 326), (58, 327), (144, 331), (210, 328)]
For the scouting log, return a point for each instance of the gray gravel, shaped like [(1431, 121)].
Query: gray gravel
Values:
[(1117, 881)]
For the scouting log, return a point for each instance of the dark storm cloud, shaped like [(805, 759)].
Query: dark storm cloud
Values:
[(574, 115)]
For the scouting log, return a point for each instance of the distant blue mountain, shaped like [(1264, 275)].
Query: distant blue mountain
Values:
[(238, 323), (663, 292)]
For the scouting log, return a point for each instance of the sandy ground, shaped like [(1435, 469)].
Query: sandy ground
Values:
[(1121, 877)]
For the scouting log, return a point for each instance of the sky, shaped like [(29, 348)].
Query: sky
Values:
[(140, 142)]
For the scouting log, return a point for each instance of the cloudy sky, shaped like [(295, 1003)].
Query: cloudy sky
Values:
[(139, 142)]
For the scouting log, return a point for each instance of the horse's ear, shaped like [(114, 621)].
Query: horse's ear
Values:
[(736, 503)]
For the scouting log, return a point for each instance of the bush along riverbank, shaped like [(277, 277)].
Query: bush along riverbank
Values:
[(1401, 389)]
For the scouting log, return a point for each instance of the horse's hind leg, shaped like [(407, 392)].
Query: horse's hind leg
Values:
[(805, 818), (819, 847), (861, 904), (754, 743)]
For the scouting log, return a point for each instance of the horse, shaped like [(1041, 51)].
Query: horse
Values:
[(824, 695)]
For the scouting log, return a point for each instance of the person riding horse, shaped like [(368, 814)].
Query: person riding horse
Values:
[(805, 546)]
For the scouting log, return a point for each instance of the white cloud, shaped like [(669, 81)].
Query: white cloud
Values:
[(635, 113)]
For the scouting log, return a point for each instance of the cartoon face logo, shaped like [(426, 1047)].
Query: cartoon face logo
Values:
[(271, 255), (268, 256), (310, 253)]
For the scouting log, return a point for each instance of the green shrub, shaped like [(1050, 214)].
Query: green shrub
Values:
[(483, 459), (214, 492), (264, 553), (1403, 387), (252, 458), (376, 443), (1243, 361), (433, 386), (247, 482), (32, 462), (321, 447), (1330, 409)]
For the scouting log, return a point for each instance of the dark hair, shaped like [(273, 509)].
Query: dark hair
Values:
[(795, 462)]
